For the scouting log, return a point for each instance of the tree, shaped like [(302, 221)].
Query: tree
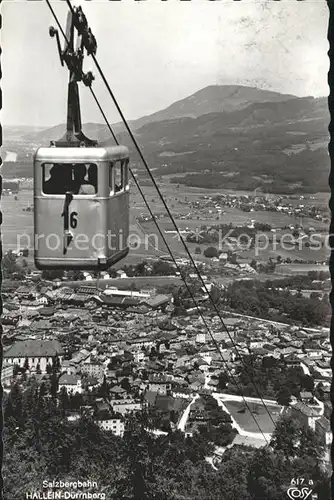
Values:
[(222, 380), (112, 272), (64, 401), (215, 294), (140, 269), (310, 444), (253, 264), (283, 396), (52, 274), (42, 390), (16, 370), (49, 369), (125, 384), (56, 363), (307, 382), (266, 476), (54, 384), (26, 364), (210, 252), (286, 436), (233, 258), (161, 268), (10, 267)]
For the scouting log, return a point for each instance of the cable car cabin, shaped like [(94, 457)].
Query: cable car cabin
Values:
[(81, 212)]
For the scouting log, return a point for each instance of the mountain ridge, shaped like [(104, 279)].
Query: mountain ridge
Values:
[(213, 98), (247, 139)]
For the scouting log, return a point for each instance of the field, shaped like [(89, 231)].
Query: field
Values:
[(246, 421), (17, 227)]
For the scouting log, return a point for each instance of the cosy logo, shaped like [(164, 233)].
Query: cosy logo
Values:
[(302, 493), (298, 489)]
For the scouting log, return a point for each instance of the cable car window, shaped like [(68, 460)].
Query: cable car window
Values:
[(116, 177), (78, 178)]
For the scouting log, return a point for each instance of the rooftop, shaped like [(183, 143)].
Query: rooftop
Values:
[(34, 348)]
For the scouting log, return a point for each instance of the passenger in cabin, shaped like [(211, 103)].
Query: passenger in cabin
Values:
[(67, 178), (92, 175), (118, 184), (79, 181), (57, 182), (90, 186)]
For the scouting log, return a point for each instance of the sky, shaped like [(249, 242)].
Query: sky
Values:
[(154, 53)]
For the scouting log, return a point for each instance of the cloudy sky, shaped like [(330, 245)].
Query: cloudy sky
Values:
[(154, 53)]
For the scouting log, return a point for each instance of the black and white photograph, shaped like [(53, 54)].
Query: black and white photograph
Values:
[(165, 250)]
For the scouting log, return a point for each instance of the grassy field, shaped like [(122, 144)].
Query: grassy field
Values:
[(246, 421), (17, 227)]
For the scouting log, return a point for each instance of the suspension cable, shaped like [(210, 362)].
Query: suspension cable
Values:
[(173, 221)]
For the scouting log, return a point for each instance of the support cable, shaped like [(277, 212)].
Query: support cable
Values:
[(172, 219)]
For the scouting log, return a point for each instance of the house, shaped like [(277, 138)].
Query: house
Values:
[(10, 319), (159, 383), (157, 301), (138, 343), (203, 364), (223, 256), (24, 292), (7, 373), (91, 383), (247, 441), (72, 383), (201, 338), (323, 430), (304, 414), (306, 397), (82, 357), (124, 406), (118, 391), (37, 352), (138, 355), (68, 367), (109, 422), (182, 392), (93, 370), (40, 299), (73, 415)]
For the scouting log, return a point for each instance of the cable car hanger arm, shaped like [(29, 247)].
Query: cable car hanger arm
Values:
[(73, 57)]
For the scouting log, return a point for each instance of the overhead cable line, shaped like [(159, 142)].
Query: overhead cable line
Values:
[(173, 221), (169, 214)]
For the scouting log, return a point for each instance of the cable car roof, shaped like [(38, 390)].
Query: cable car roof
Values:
[(57, 154)]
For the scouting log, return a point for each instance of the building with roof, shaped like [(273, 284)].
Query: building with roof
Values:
[(306, 415), (254, 442), (159, 300), (37, 352), (70, 382), (124, 406), (159, 384), (323, 430), (109, 422), (7, 373), (118, 392), (93, 370), (68, 367)]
